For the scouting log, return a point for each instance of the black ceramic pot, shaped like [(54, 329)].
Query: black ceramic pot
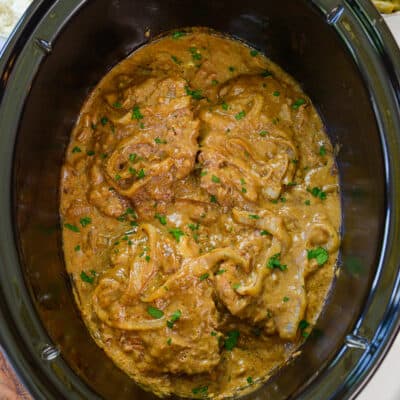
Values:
[(347, 61)]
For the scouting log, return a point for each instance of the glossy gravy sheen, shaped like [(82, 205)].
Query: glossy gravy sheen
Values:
[(200, 206)]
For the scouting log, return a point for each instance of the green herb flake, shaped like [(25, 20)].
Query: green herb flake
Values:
[(253, 53), (263, 133), (176, 35), (307, 202), (275, 262), (86, 278), (213, 199), (194, 93), (317, 192), (117, 104), (215, 179), (249, 380), (320, 254), (77, 247), (202, 390), (285, 299), (303, 325), (244, 190), (76, 149), (291, 184), (176, 60), (277, 93), (71, 227), (231, 68), (266, 74), (141, 174), (176, 233), (231, 341), (136, 114), (322, 151), (155, 312), (160, 141), (236, 286), (169, 341), (254, 216), (204, 276), (214, 82), (117, 177), (299, 102), (103, 121), (132, 157), (203, 173), (85, 221), (90, 153), (220, 272), (224, 106), (264, 233), (147, 258), (132, 170), (283, 199), (193, 227), (161, 218), (195, 53), (240, 115), (213, 333)]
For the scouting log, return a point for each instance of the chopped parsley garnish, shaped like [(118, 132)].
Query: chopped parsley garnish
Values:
[(147, 258), (169, 341), (141, 174), (224, 106), (277, 93), (204, 276), (161, 218), (320, 254), (254, 216), (244, 190), (200, 390), (236, 286), (132, 170), (103, 156), (160, 141), (86, 278), (285, 299), (291, 184), (195, 53), (214, 82), (136, 114), (213, 199), (117, 104), (299, 102), (132, 157), (85, 221), (283, 199), (176, 233), (231, 68), (117, 177), (76, 149), (322, 150), (176, 60), (266, 74), (264, 233), (253, 53), (71, 227), (263, 133), (103, 120), (294, 161), (220, 272), (155, 312), (215, 179), (242, 181), (194, 93), (249, 380), (173, 318), (176, 35), (193, 227), (77, 247), (240, 115), (307, 202), (275, 262), (90, 153), (317, 192), (203, 173), (303, 325), (213, 333), (231, 340)]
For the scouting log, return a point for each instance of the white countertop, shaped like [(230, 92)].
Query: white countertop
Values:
[(385, 385)]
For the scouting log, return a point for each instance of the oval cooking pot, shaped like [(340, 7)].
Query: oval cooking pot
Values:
[(346, 60)]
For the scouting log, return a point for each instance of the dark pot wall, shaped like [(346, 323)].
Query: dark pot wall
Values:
[(350, 87)]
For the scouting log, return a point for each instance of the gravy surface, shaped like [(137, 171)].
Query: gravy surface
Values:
[(200, 206)]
